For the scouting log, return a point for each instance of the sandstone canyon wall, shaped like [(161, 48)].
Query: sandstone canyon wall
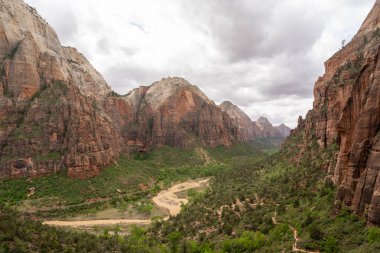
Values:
[(346, 113), (50, 116)]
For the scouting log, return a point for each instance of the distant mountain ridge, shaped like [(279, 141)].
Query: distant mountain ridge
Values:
[(248, 129)]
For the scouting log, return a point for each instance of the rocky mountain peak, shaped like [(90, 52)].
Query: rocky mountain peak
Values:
[(57, 112), (283, 129), (248, 130), (234, 111), (227, 104), (263, 121), (159, 92)]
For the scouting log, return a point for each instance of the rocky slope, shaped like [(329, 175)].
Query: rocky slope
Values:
[(346, 113), (248, 130)]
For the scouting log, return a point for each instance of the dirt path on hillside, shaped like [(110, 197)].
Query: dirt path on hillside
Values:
[(166, 199), (296, 237), (86, 223), (204, 156)]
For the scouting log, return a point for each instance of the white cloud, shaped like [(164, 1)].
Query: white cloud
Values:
[(262, 55)]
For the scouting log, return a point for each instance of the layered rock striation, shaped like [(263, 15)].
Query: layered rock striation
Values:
[(50, 102), (172, 112), (346, 113)]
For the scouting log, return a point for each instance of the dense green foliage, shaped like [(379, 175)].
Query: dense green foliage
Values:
[(130, 179), (264, 200), (21, 234), (255, 203)]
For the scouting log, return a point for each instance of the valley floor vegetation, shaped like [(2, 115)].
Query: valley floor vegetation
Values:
[(256, 201)]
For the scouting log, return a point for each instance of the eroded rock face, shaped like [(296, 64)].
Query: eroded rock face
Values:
[(245, 126), (173, 112), (346, 111), (51, 114), (248, 130)]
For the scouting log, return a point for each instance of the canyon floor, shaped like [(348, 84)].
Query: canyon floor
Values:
[(167, 200)]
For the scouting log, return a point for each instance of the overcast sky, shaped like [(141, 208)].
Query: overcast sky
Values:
[(263, 56)]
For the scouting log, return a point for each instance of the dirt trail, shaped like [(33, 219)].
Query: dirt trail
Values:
[(204, 156), (166, 199), (296, 237), (86, 223), (295, 245)]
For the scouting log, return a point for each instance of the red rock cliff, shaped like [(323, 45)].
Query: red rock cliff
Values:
[(51, 116), (173, 112), (346, 112)]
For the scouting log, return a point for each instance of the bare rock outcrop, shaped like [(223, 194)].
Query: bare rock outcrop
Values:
[(346, 112), (51, 102), (173, 112), (245, 126)]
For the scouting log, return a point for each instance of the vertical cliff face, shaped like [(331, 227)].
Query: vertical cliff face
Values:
[(346, 112), (50, 102)]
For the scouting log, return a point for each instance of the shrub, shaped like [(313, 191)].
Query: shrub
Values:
[(315, 232), (373, 235), (248, 242)]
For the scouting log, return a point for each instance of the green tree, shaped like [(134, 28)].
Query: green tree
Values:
[(330, 245), (174, 240), (248, 242), (315, 232)]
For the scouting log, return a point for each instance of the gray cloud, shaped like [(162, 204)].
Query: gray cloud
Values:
[(246, 29), (104, 45), (61, 17), (262, 55), (125, 78), (139, 26), (66, 26)]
